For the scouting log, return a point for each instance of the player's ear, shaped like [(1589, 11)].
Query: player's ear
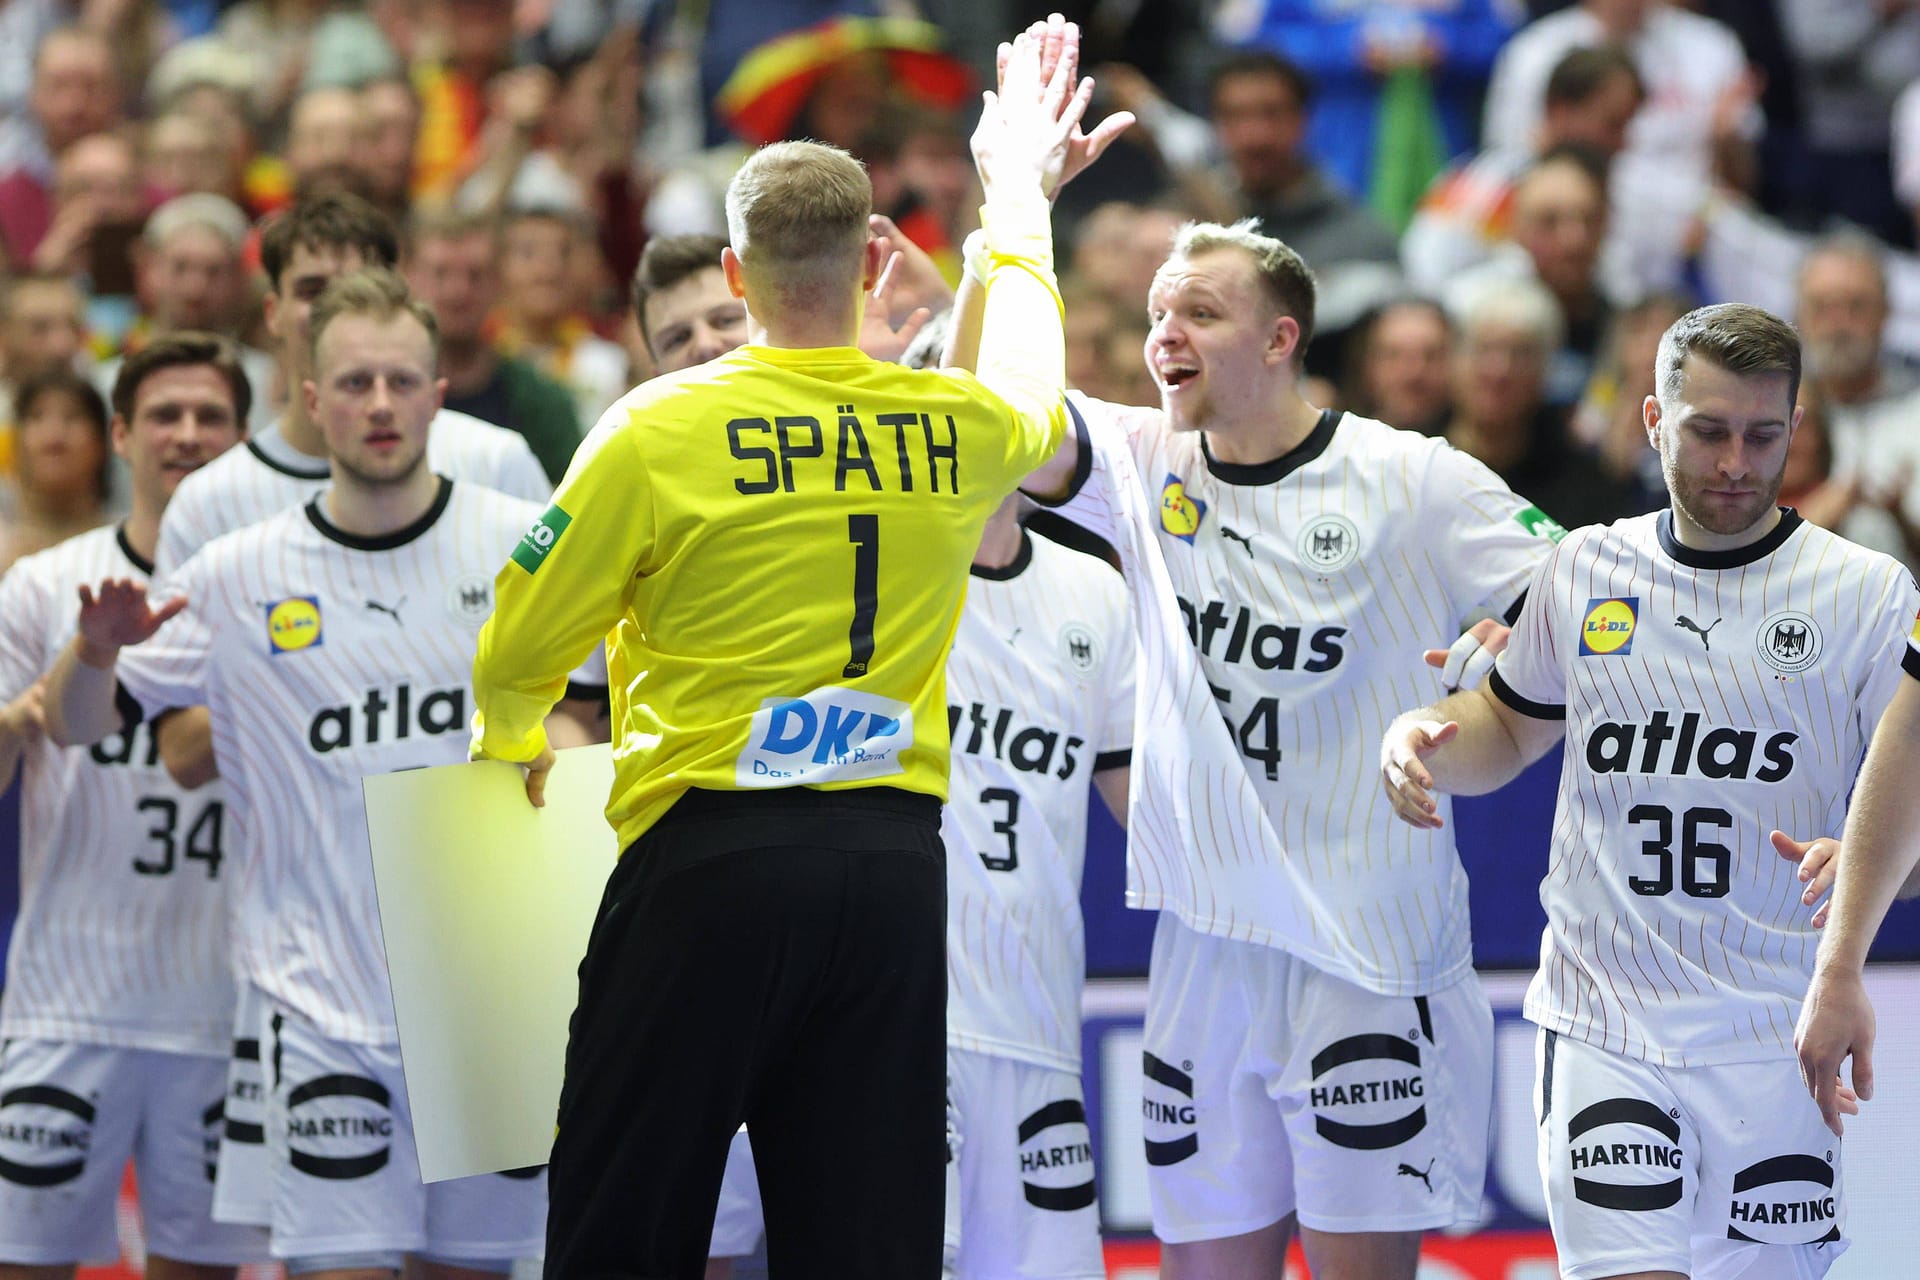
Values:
[(270, 313), (1283, 341), (731, 268), (1650, 415), (310, 391), (118, 433), (873, 259)]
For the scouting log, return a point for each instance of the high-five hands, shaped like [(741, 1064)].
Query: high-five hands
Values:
[(1027, 127), (1060, 40)]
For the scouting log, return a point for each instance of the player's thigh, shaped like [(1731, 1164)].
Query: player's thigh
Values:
[(1374, 1255), (1252, 1255), (1772, 1200), (1025, 1172), (68, 1116), (345, 1181), (738, 1222), (1218, 1164), (1387, 1101), (243, 1180), (174, 1159), (1620, 1160)]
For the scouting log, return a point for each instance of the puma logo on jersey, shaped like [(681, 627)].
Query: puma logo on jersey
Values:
[(392, 610), (1408, 1171), (1030, 749), (1678, 750), (1240, 538), (387, 715), (1688, 624), (1268, 646)]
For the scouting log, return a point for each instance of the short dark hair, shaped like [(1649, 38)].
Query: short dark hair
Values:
[(173, 350), (1261, 62), (1584, 72), (1741, 339), (65, 381), (666, 261), (1589, 160), (331, 220)]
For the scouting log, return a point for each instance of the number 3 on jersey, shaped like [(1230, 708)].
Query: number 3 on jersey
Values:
[(864, 533)]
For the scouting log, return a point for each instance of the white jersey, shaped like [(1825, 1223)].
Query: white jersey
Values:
[(1710, 698), (1039, 697), (1281, 612), (265, 475), (325, 657), (122, 937)]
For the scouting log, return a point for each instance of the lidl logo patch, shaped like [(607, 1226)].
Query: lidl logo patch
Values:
[(293, 624), (1540, 524), (539, 540), (1608, 627), (1179, 514)]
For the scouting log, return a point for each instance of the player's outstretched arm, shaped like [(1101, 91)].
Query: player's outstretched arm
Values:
[(1467, 744), (1877, 856), (80, 689)]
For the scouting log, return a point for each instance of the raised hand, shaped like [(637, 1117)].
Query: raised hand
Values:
[(1059, 39), (1409, 785), (1025, 129), (115, 615), (878, 336), (25, 718), (915, 278)]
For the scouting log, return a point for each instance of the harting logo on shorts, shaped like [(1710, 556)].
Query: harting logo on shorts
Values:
[(1614, 1143), (1056, 1157), (1785, 1200), (44, 1135), (1361, 1091), (213, 1122), (827, 735), (339, 1127), (1166, 1109)]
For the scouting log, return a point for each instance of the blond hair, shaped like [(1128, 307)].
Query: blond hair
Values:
[(797, 212), (379, 293), (1283, 274)]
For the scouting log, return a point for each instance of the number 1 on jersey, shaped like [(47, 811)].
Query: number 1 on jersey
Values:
[(864, 533)]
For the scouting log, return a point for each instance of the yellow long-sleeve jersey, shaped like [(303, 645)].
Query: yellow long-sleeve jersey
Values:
[(774, 546)]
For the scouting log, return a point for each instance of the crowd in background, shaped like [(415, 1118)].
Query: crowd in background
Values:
[(1504, 203)]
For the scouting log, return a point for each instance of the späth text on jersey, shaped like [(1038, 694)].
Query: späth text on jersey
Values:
[(903, 450), (1232, 634), (997, 732)]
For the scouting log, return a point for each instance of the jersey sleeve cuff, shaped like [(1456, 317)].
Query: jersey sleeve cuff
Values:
[(1082, 459), (131, 712), (1910, 662), (1525, 706), (1113, 760)]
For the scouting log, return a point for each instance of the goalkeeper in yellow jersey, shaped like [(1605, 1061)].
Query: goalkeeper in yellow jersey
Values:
[(778, 543)]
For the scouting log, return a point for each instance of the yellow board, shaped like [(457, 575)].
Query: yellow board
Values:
[(485, 908)]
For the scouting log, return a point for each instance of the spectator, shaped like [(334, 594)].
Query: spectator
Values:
[(542, 310), (477, 37), (59, 486), (390, 119), (1400, 364), (275, 35), (1851, 61), (75, 95), (1559, 225), (1867, 513), (453, 266), (1591, 97), (1501, 412), (326, 138), (98, 209), (1259, 104), (1698, 126), (184, 154), (43, 328), (1362, 58), (191, 276), (1610, 423), (1841, 308), (211, 81), (1120, 246)]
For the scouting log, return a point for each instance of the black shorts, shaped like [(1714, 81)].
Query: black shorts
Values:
[(776, 958)]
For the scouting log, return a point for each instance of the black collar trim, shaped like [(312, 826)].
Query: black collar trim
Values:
[(1733, 557), (140, 562), (1021, 560), (385, 542), (324, 472), (1281, 467)]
